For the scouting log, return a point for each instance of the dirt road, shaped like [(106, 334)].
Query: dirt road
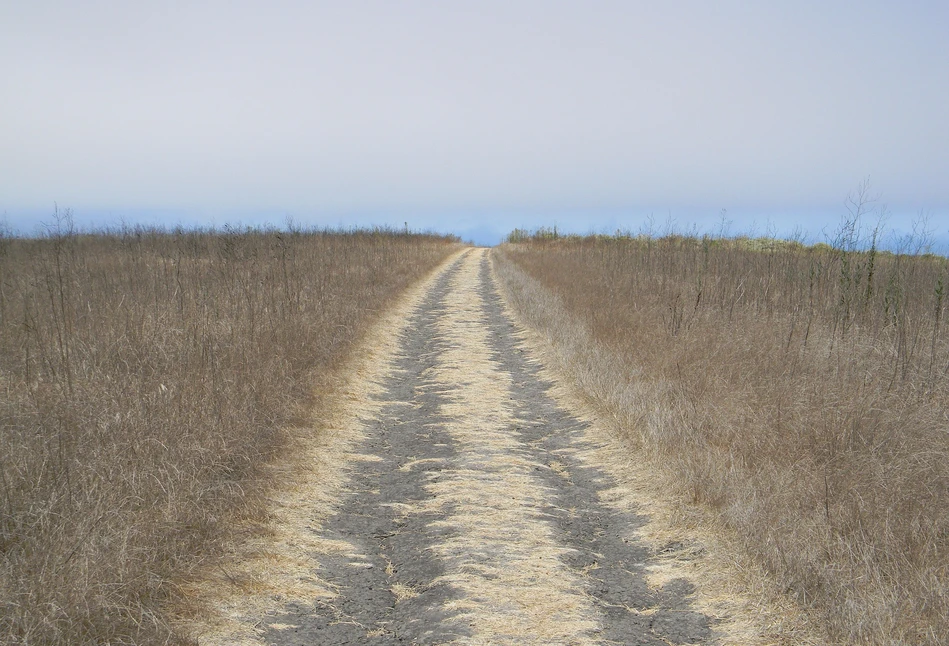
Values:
[(471, 508)]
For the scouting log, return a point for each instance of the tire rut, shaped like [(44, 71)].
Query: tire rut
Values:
[(474, 513), (601, 536), (385, 588)]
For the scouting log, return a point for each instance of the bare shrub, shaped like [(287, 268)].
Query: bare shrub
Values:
[(802, 392), (146, 380)]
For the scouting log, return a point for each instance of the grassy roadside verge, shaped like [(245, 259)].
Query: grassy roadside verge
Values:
[(799, 394), (146, 381)]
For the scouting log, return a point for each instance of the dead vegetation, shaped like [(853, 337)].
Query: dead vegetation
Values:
[(147, 379), (802, 393)]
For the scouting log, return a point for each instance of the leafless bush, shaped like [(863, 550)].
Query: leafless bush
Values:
[(146, 380), (802, 392)]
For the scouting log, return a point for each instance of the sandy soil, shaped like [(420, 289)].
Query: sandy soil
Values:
[(458, 499)]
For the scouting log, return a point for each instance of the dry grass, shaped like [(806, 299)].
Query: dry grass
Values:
[(147, 382), (799, 393)]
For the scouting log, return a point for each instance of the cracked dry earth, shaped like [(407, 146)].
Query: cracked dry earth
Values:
[(471, 507)]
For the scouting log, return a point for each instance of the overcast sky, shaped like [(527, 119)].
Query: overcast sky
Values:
[(473, 115)]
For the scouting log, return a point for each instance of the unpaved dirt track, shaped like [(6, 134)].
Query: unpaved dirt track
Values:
[(474, 512)]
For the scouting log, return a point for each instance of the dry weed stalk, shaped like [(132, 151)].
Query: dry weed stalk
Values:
[(147, 379), (802, 392)]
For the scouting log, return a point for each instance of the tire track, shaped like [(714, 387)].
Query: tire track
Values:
[(386, 586), (602, 535), (475, 510)]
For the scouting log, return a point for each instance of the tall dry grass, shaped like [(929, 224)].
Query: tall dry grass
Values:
[(800, 392), (146, 380)]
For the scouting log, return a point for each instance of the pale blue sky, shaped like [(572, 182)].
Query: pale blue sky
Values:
[(473, 116)]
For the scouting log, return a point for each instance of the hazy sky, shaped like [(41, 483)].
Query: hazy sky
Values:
[(473, 115)]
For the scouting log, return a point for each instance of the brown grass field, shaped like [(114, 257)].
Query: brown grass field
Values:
[(800, 393), (147, 380), (150, 381)]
